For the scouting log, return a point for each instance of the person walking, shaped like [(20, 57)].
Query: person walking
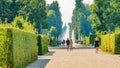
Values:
[(96, 44), (63, 42), (68, 43)]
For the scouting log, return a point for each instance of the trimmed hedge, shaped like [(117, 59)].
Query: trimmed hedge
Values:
[(17, 48), (87, 41), (53, 42), (92, 38), (42, 44), (110, 43), (117, 44)]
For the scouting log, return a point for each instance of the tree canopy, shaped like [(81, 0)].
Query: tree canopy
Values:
[(80, 19), (32, 10), (54, 18), (105, 15)]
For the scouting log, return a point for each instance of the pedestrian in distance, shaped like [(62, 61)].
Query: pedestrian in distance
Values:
[(96, 44), (68, 43), (63, 42)]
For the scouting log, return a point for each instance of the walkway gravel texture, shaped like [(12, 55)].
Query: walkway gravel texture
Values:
[(77, 58)]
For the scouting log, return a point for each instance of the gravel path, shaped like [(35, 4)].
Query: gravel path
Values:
[(77, 58)]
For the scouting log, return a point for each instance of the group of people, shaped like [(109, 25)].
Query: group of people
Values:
[(60, 42), (69, 43)]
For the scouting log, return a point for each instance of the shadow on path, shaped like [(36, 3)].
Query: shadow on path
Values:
[(42, 61), (50, 53)]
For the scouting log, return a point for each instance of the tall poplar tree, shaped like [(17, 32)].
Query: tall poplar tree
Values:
[(54, 17)]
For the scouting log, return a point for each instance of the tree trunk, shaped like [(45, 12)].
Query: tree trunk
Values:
[(40, 26)]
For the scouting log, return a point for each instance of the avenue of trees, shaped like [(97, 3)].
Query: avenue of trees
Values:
[(100, 17), (105, 15), (34, 12), (82, 26), (54, 20), (32, 15)]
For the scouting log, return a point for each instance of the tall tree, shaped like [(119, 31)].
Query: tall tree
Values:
[(106, 14), (80, 19), (9, 9), (54, 17), (35, 11)]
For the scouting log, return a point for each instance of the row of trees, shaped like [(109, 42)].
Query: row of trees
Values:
[(54, 20), (80, 20), (32, 15), (101, 16), (34, 11), (105, 15)]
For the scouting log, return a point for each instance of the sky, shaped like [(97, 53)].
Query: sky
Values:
[(66, 8)]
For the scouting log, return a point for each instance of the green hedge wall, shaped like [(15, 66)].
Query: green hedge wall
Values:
[(17, 48), (42, 44), (110, 43), (53, 42), (117, 44), (6, 59), (87, 41), (92, 38)]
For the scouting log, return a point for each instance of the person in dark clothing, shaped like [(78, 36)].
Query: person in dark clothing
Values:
[(68, 43), (96, 44), (63, 42)]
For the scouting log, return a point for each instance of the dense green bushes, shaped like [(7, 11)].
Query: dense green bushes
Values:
[(17, 48), (92, 38), (110, 43), (117, 44), (53, 42), (42, 44), (87, 41)]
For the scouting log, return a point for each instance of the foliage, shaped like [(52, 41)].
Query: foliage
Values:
[(23, 24), (35, 11), (17, 48), (105, 16), (9, 9), (53, 32), (92, 38), (42, 44), (45, 31), (80, 19), (53, 42), (50, 12), (32, 10), (110, 43), (6, 25), (117, 30), (54, 18), (117, 43), (87, 42), (70, 29)]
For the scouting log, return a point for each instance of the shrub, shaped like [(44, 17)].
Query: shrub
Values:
[(87, 41), (17, 48), (117, 44), (111, 43), (42, 44), (92, 38), (21, 23), (53, 42)]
